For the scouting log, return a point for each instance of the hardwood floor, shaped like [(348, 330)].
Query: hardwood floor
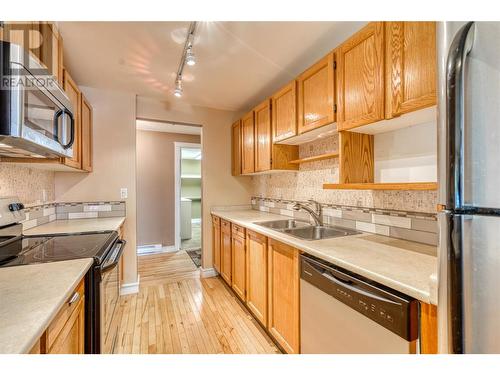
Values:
[(177, 312)]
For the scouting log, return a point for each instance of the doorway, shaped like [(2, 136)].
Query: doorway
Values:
[(188, 159)]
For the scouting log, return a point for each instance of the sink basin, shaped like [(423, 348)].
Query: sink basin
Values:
[(319, 233), (284, 224)]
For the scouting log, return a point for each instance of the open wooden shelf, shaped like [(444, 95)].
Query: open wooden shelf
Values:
[(330, 155), (384, 186)]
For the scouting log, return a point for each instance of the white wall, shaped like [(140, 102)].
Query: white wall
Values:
[(114, 164), (218, 186), (407, 155)]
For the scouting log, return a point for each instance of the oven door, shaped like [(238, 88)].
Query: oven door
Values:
[(109, 297)]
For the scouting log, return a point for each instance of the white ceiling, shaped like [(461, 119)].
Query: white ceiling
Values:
[(167, 127), (238, 63)]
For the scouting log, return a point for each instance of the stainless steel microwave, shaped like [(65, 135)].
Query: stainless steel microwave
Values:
[(36, 115)]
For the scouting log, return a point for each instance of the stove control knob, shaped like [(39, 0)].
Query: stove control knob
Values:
[(16, 207)]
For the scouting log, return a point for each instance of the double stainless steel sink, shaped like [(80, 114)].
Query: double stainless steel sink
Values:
[(305, 230)]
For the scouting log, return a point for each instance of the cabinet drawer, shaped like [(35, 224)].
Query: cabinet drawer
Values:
[(225, 226), (64, 314), (238, 231), (215, 220)]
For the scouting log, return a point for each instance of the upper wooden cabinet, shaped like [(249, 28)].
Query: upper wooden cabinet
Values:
[(284, 112), (74, 96), (410, 66), (263, 137), (360, 77), (86, 143), (248, 146), (316, 95), (236, 148)]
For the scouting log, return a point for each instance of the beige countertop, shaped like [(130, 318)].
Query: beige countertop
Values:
[(31, 296), (76, 225), (405, 266)]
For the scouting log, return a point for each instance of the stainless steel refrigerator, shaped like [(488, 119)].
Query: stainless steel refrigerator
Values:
[(469, 179)]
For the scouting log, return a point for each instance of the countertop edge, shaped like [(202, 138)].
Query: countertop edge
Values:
[(390, 283)]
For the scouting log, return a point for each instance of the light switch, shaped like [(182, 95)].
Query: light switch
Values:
[(123, 193)]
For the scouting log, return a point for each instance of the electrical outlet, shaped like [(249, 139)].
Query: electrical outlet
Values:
[(123, 193)]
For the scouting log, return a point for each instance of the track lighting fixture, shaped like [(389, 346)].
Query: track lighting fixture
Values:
[(188, 58), (178, 87)]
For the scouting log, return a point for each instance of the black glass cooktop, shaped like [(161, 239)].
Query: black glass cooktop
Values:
[(53, 248)]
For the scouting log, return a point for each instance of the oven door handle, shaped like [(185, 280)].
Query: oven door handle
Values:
[(114, 258)]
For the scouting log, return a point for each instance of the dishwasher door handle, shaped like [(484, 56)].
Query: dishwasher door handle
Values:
[(354, 289)]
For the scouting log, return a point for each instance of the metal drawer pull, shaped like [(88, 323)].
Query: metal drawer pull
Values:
[(75, 297)]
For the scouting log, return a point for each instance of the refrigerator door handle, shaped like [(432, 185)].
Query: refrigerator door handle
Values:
[(455, 115)]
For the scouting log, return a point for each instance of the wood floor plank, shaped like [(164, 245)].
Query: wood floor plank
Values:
[(176, 311)]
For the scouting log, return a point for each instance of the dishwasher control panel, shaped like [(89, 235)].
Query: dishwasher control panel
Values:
[(388, 308)]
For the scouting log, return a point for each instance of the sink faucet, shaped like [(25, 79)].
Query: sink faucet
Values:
[(317, 214)]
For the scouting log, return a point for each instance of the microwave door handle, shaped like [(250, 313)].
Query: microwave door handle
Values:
[(72, 130), (56, 125), (455, 114), (111, 263)]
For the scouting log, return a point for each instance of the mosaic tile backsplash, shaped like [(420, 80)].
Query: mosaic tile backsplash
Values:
[(27, 183), (411, 226), (41, 214), (307, 183)]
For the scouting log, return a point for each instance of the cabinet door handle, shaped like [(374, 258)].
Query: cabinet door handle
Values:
[(75, 297)]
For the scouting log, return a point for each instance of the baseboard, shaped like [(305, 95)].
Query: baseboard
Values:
[(130, 288), (155, 249), (208, 272)]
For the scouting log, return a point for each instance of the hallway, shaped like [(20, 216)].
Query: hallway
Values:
[(177, 312)]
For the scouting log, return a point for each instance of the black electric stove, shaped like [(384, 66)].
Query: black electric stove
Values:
[(23, 250), (102, 283)]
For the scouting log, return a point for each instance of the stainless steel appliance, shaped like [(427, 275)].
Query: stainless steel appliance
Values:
[(469, 180), (102, 285), (345, 313), (36, 116)]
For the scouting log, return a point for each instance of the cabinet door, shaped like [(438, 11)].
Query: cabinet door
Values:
[(360, 78), (74, 96), (263, 136), (316, 95), (71, 340), (257, 275), (86, 134), (410, 66), (283, 295), (284, 109), (216, 247), (236, 148), (428, 329), (239, 266), (248, 137), (226, 264)]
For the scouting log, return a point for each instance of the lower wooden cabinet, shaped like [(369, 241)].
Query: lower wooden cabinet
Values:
[(66, 332), (256, 274), (283, 295), (225, 251), (238, 252), (216, 237), (428, 329)]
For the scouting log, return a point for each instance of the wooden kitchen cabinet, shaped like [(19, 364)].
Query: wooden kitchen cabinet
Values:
[(428, 329), (238, 252), (256, 273), (283, 295), (225, 251), (216, 242), (263, 138), (410, 67), (316, 95), (74, 96), (248, 143), (236, 148), (284, 112), (360, 78), (86, 132)]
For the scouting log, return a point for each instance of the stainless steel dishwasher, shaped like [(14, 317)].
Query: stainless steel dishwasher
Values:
[(345, 313)]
